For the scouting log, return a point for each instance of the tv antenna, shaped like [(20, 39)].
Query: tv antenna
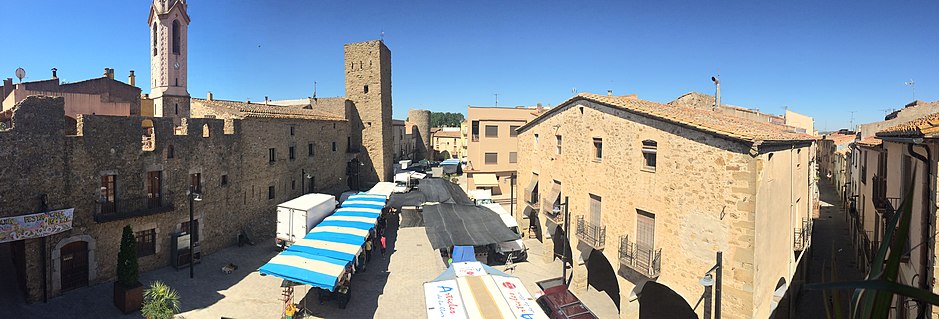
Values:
[(497, 98), (382, 35), (573, 90), (912, 85), (314, 90), (852, 119), (887, 110), (20, 74)]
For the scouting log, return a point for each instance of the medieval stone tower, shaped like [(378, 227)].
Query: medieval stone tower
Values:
[(421, 120), (368, 87), (169, 24)]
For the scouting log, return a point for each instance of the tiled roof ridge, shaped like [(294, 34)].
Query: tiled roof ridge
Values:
[(731, 125), (917, 127), (272, 111)]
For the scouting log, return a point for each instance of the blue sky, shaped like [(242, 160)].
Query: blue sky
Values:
[(821, 58)]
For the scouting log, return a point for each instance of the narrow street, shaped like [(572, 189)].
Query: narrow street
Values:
[(830, 242)]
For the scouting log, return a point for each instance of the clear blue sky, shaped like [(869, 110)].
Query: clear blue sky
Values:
[(821, 58)]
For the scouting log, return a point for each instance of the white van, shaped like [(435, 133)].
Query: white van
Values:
[(515, 247), (481, 197), (402, 183)]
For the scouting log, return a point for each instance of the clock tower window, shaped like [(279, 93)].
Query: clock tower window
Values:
[(176, 36), (154, 39)]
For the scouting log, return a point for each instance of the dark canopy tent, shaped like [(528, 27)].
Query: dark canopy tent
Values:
[(431, 190), (449, 225)]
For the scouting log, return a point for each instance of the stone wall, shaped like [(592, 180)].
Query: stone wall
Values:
[(68, 170), (703, 194), (421, 119)]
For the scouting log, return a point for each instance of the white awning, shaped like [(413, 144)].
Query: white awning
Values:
[(485, 180)]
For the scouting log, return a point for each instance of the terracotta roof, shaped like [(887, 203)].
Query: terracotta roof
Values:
[(926, 126), (447, 134), (256, 110), (870, 141), (839, 139), (704, 120)]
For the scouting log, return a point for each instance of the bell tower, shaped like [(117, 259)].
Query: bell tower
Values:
[(169, 25)]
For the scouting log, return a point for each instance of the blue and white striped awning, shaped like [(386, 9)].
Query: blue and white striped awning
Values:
[(320, 257), (313, 270), (363, 200), (452, 161)]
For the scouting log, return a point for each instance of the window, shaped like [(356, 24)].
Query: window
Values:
[(195, 182), (864, 167), (334, 146), (108, 189), (154, 189), (309, 149), (597, 149), (176, 106), (512, 130), (513, 157), (365, 89), (536, 140), (291, 131), (475, 131), (224, 180), (146, 242), (492, 158), (293, 184), (291, 153), (349, 143), (649, 149), (492, 131), (558, 137), (270, 192), (595, 204), (170, 151), (184, 227), (176, 36), (155, 39), (271, 155)]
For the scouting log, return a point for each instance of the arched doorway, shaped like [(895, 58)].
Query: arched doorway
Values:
[(657, 301), (601, 276), (74, 273)]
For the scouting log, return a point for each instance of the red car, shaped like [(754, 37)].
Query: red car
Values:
[(560, 303)]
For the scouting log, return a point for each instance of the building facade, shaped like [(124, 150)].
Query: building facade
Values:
[(122, 169), (492, 148), (654, 191), (446, 143)]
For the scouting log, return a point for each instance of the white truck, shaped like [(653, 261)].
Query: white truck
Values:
[(481, 196), (296, 217), (383, 188), (514, 248), (402, 182)]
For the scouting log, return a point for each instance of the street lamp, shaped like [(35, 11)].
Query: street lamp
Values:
[(713, 280), (564, 244), (193, 197), (303, 177)]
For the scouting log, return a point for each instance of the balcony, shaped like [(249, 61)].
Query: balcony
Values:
[(593, 235), (556, 216), (802, 236), (647, 261), (130, 207)]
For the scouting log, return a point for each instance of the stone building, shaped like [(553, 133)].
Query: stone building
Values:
[(899, 161), (446, 143), (492, 151), (128, 169), (654, 191), (419, 122), (829, 147), (101, 96)]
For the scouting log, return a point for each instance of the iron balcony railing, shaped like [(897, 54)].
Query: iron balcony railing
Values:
[(131, 206), (641, 258), (802, 236), (593, 235)]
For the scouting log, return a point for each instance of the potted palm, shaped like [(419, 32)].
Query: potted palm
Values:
[(160, 301), (128, 291)]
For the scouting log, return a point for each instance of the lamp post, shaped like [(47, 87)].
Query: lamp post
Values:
[(303, 177), (512, 195), (707, 281), (193, 197), (564, 244)]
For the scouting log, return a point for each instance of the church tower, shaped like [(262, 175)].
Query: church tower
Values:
[(169, 25), (368, 87)]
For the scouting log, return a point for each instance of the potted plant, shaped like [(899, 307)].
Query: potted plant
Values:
[(160, 301), (128, 292)]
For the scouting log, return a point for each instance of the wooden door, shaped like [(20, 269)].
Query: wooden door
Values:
[(645, 237), (154, 189), (74, 265)]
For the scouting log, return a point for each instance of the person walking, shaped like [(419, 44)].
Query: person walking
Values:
[(383, 246)]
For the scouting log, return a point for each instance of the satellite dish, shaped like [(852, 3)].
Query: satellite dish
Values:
[(20, 74)]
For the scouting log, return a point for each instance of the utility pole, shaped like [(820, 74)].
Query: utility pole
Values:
[(497, 99), (852, 120)]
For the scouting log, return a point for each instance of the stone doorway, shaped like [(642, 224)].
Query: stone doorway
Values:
[(12, 271), (74, 272)]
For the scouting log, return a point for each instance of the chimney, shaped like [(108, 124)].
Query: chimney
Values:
[(249, 101), (209, 97), (539, 108), (54, 75), (109, 73), (609, 92), (132, 79)]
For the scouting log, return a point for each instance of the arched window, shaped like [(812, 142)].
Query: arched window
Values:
[(175, 36), (170, 151), (205, 130), (154, 39)]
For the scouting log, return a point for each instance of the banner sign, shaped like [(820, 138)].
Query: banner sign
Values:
[(35, 225), (521, 302), (469, 268), (443, 300)]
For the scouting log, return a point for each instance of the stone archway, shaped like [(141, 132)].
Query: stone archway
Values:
[(659, 301), (57, 260), (602, 276)]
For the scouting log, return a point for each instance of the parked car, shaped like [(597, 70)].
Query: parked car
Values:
[(559, 303)]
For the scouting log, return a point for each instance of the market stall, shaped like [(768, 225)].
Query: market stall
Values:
[(474, 290)]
